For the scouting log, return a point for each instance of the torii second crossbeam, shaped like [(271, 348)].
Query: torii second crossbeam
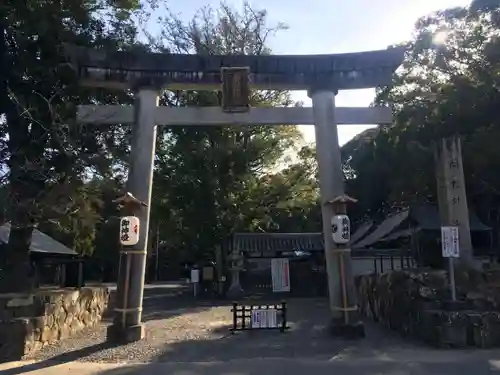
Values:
[(185, 116)]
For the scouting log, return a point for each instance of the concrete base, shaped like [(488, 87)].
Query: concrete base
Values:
[(124, 335), (352, 331), (449, 305), (234, 291)]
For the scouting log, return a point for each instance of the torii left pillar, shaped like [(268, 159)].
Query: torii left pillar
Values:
[(341, 290), (127, 323)]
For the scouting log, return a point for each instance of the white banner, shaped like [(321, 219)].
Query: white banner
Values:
[(280, 272), (450, 244), (264, 318)]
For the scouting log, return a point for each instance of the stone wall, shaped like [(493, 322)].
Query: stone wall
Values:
[(34, 321), (417, 303)]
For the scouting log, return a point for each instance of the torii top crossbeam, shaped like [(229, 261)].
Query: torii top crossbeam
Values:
[(118, 69)]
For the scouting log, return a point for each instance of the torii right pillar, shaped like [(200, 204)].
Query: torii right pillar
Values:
[(342, 295)]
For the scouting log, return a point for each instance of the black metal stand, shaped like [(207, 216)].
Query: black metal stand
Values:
[(242, 316)]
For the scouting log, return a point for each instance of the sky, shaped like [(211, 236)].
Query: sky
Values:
[(334, 26)]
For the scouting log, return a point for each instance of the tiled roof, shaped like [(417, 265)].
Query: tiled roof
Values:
[(257, 242), (428, 218), (260, 243)]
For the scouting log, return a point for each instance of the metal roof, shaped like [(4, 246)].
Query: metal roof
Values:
[(40, 242), (400, 234), (427, 217), (362, 230), (386, 227)]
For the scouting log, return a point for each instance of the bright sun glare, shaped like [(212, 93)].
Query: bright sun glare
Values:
[(440, 37)]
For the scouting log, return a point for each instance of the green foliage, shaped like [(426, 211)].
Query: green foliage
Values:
[(447, 85), (62, 177), (285, 201), (212, 181), (203, 174), (45, 153)]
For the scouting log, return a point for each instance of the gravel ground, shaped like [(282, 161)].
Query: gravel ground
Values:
[(162, 332), (180, 330)]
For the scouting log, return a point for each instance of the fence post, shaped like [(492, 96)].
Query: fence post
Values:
[(235, 317), (381, 264), (244, 316), (283, 312), (375, 265)]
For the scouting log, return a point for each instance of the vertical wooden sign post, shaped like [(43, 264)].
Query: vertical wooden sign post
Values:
[(452, 199)]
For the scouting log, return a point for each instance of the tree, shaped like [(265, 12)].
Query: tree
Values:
[(286, 200), (448, 85), (41, 148), (202, 173)]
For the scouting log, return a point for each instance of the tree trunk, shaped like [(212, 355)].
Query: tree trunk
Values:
[(15, 271), (27, 185), (17, 275)]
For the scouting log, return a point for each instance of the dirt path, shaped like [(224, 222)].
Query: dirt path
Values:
[(183, 330), (179, 330)]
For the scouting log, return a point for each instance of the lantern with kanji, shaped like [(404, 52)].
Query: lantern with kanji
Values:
[(129, 230)]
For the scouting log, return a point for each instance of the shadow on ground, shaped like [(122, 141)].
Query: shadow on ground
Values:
[(308, 338), (61, 358), (298, 367), (212, 349)]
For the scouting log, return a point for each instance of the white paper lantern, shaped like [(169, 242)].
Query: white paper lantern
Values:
[(341, 229), (129, 230)]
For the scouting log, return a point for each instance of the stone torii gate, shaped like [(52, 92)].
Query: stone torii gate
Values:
[(147, 74)]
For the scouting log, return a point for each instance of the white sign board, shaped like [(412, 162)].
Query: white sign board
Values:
[(280, 272), (129, 230), (195, 276), (264, 318), (449, 242)]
